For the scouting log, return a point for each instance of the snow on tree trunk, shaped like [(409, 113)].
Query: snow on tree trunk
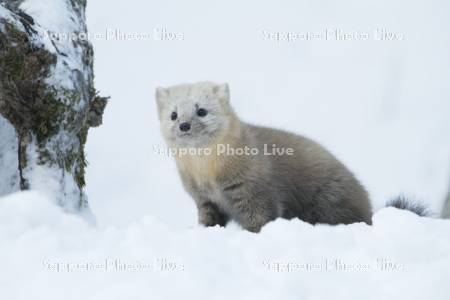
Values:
[(47, 98)]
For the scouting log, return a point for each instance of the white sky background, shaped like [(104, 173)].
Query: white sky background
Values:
[(382, 107)]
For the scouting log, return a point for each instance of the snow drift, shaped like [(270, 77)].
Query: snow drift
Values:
[(47, 254)]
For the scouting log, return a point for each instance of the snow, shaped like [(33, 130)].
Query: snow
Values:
[(381, 106), (58, 255), (56, 28), (54, 183), (4, 13)]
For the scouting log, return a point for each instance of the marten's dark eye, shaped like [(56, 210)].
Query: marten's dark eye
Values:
[(174, 116), (201, 112)]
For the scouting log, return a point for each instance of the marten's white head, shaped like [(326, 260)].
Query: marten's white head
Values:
[(194, 115)]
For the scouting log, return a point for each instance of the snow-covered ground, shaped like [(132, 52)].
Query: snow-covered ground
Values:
[(382, 106), (49, 255)]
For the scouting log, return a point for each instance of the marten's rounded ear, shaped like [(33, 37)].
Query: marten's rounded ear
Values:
[(161, 95), (222, 91)]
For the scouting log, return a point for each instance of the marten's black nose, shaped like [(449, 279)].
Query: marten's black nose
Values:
[(185, 126)]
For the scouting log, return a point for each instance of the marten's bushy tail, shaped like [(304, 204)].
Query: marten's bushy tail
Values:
[(401, 202), (446, 209)]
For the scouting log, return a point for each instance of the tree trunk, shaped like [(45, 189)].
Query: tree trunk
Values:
[(47, 99)]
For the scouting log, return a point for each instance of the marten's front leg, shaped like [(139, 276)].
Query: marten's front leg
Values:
[(251, 205), (209, 214)]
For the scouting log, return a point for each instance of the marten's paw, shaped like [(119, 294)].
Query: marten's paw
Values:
[(210, 215)]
